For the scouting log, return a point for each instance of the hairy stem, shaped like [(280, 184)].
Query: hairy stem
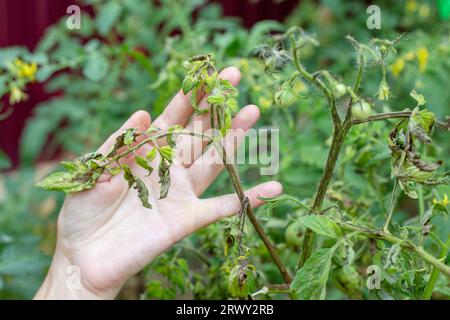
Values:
[(318, 83), (340, 132), (333, 154)]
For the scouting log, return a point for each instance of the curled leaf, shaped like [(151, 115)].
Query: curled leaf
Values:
[(142, 162), (78, 176), (164, 177)]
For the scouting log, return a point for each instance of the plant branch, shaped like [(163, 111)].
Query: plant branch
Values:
[(391, 207), (405, 244), (259, 229), (435, 272), (318, 83), (397, 114)]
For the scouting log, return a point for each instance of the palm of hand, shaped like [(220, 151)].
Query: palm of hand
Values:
[(113, 241), (109, 235)]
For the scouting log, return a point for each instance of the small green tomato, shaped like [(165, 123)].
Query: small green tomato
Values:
[(361, 110), (293, 234), (349, 280), (339, 90), (284, 97)]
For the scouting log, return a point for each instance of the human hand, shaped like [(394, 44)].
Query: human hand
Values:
[(109, 236)]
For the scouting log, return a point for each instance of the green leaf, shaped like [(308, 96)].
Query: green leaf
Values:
[(418, 97), (130, 136), (46, 72), (126, 138), (5, 163), (151, 155), (310, 281), (322, 225), (421, 124), (114, 170), (189, 83), (426, 218), (107, 16), (96, 67), (81, 174), (166, 152), (15, 262), (142, 162)]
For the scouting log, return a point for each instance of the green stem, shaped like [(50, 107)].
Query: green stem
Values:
[(359, 74), (391, 207), (318, 83), (435, 273), (333, 154), (397, 114), (259, 229), (154, 138), (405, 244), (421, 201)]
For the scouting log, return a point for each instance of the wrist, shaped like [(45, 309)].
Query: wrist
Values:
[(65, 281)]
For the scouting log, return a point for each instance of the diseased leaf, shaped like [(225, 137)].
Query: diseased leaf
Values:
[(428, 215), (128, 175), (421, 124), (310, 281), (420, 164), (138, 184), (142, 192), (130, 136), (120, 142), (164, 178), (78, 177), (322, 225), (142, 162)]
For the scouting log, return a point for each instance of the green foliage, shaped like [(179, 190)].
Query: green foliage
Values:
[(321, 225), (310, 281)]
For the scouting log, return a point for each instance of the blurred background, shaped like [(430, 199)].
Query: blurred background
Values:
[(128, 56)]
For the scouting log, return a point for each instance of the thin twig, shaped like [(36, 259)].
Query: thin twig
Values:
[(396, 114)]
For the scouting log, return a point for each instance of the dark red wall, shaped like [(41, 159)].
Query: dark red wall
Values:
[(22, 22)]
